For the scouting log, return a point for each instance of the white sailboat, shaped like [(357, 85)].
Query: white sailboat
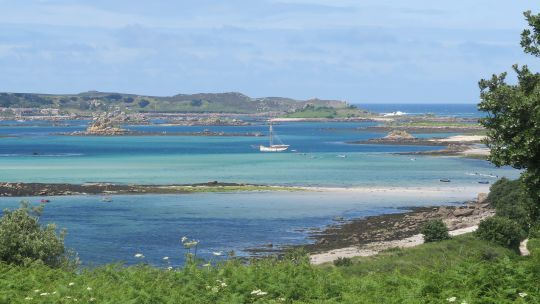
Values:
[(271, 147)]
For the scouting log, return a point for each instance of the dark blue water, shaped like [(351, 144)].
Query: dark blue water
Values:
[(450, 110)]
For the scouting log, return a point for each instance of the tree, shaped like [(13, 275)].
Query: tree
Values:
[(435, 231), (513, 117), (23, 240)]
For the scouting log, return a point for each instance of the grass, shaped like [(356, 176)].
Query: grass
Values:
[(466, 268)]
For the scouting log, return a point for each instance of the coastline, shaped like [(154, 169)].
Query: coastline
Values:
[(370, 235)]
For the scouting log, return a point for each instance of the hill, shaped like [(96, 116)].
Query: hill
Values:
[(231, 102)]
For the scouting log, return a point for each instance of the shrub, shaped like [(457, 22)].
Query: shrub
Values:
[(434, 231), (510, 201), (341, 262), (502, 231), (23, 240)]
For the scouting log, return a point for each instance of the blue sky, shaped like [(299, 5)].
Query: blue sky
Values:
[(361, 51)]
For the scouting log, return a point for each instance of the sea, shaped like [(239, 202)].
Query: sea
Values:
[(321, 155)]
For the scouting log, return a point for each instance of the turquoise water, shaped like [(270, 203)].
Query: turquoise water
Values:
[(152, 224)]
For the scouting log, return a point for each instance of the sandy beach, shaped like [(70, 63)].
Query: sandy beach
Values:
[(376, 247)]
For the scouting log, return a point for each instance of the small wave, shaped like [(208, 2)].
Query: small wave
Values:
[(397, 113)]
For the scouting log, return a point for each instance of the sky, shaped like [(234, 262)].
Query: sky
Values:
[(371, 51)]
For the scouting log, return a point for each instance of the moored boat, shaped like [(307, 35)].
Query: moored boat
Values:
[(272, 147)]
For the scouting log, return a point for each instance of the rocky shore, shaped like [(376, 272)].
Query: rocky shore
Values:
[(398, 226), (43, 189)]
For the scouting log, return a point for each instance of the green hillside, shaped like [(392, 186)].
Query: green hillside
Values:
[(194, 103)]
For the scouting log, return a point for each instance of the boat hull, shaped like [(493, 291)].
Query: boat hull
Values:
[(273, 148)]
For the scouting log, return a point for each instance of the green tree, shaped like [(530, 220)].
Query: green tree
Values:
[(23, 240), (435, 231), (513, 117)]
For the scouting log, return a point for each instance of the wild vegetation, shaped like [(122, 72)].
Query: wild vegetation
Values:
[(93, 101), (311, 111)]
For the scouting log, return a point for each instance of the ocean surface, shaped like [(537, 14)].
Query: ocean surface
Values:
[(153, 224)]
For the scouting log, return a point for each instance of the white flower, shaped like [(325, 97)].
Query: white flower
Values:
[(259, 292), (190, 244), (183, 239), (68, 297), (522, 294), (217, 253), (166, 258), (139, 256), (451, 299), (54, 292), (44, 294), (92, 299), (36, 291), (206, 265), (169, 268), (223, 284), (464, 302), (88, 288), (215, 289), (28, 298), (71, 284)]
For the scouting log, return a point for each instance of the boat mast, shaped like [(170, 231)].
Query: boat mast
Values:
[(270, 134)]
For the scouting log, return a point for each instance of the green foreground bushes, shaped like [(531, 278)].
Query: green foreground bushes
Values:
[(435, 231), (430, 273)]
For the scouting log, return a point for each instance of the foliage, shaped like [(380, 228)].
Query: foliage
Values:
[(511, 201), (23, 240), (430, 273), (513, 112), (143, 103), (340, 262), (435, 231), (502, 231)]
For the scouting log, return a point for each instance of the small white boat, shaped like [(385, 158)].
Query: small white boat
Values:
[(271, 147)]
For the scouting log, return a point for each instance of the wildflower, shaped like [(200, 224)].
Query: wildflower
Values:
[(217, 253), (88, 288), (165, 258), (139, 256), (92, 299), (28, 298), (522, 294), (451, 299), (223, 284), (464, 302), (71, 284), (206, 265), (54, 292), (68, 297), (44, 294), (281, 299), (259, 292), (169, 268), (183, 239), (36, 291), (191, 244), (215, 289)]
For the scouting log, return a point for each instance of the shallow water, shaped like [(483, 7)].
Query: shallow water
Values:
[(152, 224)]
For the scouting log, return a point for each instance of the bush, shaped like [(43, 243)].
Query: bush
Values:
[(434, 231), (510, 201), (502, 231), (340, 262), (23, 240)]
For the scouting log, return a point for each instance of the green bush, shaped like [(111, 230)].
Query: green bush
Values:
[(23, 240), (502, 231), (510, 201), (434, 231), (342, 262)]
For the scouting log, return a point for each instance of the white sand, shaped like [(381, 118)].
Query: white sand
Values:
[(461, 138), (476, 151), (376, 247), (470, 190)]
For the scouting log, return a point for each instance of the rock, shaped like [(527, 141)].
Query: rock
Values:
[(398, 135), (482, 197), (463, 212)]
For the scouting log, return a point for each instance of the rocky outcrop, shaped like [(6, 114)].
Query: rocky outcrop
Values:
[(104, 124), (398, 135)]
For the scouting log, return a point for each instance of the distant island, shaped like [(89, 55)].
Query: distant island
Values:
[(25, 104)]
